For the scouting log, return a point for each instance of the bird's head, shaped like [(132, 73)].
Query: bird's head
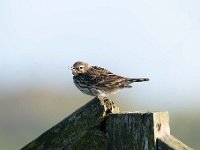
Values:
[(79, 67)]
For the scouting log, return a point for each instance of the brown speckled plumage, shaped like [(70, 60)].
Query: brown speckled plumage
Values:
[(94, 81)]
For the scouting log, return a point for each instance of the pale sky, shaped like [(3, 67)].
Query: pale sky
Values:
[(155, 39)]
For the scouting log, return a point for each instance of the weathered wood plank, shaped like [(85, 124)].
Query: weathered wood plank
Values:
[(169, 142), (99, 125), (136, 131), (81, 130)]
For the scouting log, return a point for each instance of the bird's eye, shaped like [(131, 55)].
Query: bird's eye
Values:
[(80, 67)]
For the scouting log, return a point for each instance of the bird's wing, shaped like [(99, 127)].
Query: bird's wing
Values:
[(99, 70), (104, 78)]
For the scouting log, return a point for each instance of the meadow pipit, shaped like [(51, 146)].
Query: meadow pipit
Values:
[(97, 81)]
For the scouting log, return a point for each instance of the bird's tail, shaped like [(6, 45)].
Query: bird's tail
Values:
[(131, 80)]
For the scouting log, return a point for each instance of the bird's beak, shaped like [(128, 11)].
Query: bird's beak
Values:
[(70, 68), (73, 70)]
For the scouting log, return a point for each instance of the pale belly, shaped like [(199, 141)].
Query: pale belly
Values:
[(94, 91)]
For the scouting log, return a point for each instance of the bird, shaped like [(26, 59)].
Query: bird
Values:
[(98, 81)]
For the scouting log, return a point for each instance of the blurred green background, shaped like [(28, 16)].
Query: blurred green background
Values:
[(154, 39)]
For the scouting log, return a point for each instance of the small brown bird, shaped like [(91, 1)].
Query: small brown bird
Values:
[(97, 81)]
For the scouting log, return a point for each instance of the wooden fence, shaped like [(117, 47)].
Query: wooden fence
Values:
[(99, 125)]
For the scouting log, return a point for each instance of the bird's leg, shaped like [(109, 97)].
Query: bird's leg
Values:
[(109, 103), (103, 97)]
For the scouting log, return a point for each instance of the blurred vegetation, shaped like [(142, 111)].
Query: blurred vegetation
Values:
[(26, 113)]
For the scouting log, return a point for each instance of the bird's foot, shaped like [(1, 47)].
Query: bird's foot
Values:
[(110, 106), (103, 97)]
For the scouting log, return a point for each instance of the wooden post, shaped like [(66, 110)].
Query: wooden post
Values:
[(83, 129), (169, 142), (137, 131), (99, 125)]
